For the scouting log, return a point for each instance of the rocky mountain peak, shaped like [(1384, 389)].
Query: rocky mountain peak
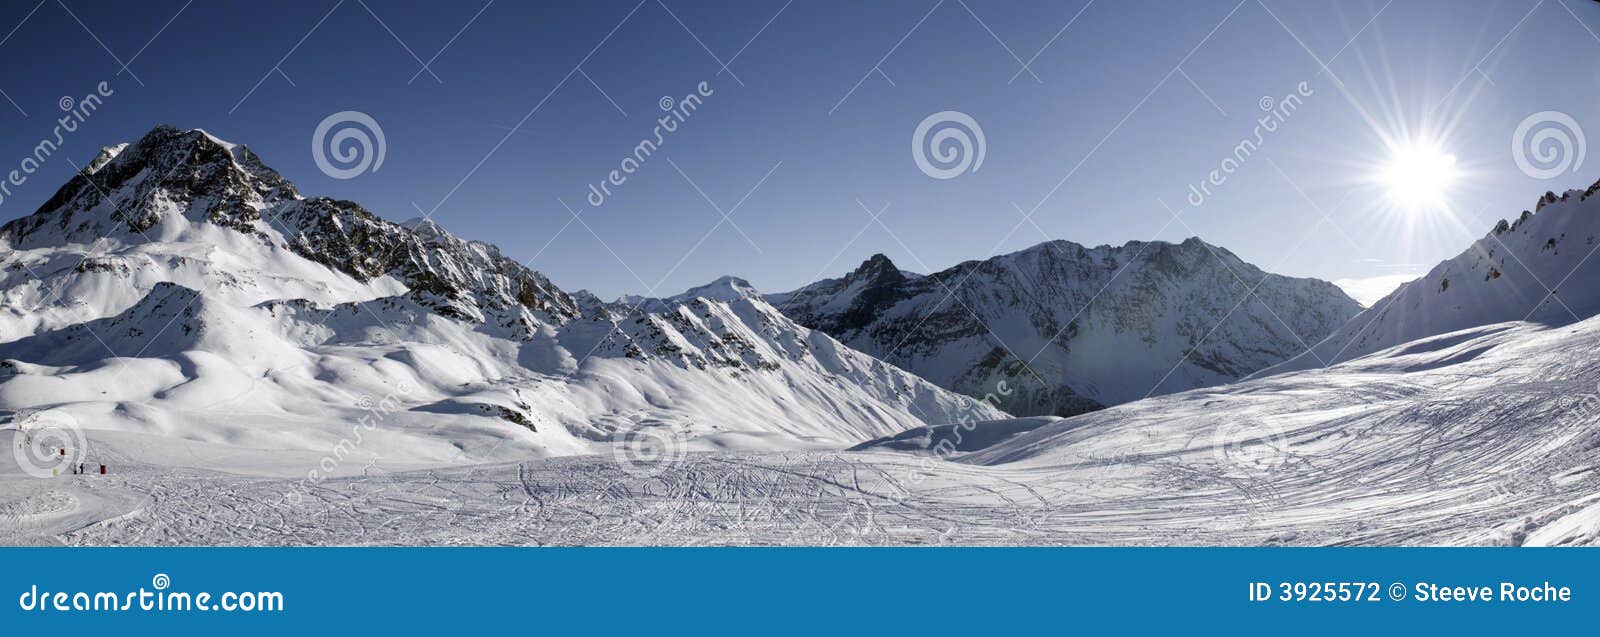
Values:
[(726, 288), (106, 155), (127, 190), (878, 267), (1068, 328), (175, 185), (207, 275)]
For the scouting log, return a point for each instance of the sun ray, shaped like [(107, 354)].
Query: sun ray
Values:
[(1418, 175)]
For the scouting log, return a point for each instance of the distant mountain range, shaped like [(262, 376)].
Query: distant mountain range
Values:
[(1070, 329), (219, 333), (179, 287)]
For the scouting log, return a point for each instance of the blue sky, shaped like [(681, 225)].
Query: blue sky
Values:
[(805, 139)]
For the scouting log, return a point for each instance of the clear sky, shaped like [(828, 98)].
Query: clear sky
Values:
[(806, 134)]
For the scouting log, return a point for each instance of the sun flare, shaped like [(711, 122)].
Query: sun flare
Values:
[(1418, 176)]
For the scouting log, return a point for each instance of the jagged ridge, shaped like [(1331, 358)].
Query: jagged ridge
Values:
[(1067, 329)]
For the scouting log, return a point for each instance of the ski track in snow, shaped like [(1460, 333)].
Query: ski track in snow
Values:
[(255, 348), (1421, 444), (810, 498)]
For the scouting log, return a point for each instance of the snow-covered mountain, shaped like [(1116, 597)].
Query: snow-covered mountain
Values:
[(1536, 268), (1485, 435), (727, 288), (179, 287), (1480, 437), (1060, 329), (218, 334)]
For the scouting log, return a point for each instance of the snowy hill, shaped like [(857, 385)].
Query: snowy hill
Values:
[(218, 335), (1060, 329), (1537, 268), (1480, 437), (727, 288), (180, 288)]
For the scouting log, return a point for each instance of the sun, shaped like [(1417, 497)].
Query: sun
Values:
[(1418, 176)]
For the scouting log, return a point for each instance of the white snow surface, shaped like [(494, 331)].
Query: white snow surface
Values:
[(1537, 268), (1060, 328), (254, 372), (1482, 437), (185, 291)]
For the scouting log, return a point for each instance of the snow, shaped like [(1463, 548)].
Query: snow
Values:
[(727, 288), (952, 440), (1581, 527), (1070, 328), (1537, 268), (228, 145), (244, 393), (232, 332), (1474, 438)]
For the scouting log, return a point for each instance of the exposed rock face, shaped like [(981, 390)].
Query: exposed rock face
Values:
[(128, 192), (1501, 277), (177, 278), (1059, 329)]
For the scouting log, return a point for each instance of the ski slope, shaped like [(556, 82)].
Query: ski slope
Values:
[(260, 368), (180, 288), (1538, 267), (1480, 437)]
